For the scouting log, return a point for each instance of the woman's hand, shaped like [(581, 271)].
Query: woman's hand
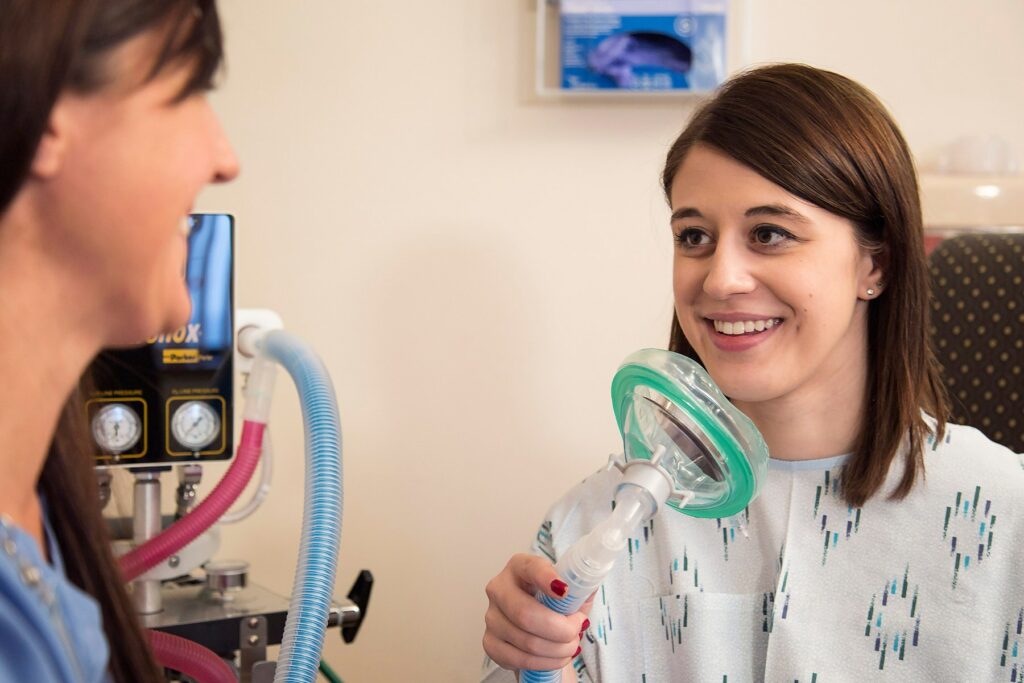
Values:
[(522, 633)]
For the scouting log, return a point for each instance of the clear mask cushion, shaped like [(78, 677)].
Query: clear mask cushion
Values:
[(712, 450)]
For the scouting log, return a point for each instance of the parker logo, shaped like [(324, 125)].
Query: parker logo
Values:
[(172, 356), (184, 335)]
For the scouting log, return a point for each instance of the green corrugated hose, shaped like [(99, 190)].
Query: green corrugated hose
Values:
[(329, 673)]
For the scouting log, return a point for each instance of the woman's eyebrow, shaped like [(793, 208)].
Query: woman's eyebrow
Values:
[(778, 210), (686, 212)]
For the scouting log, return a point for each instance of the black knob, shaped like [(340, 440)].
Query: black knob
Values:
[(360, 595)]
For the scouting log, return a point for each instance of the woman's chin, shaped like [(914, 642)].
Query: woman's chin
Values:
[(179, 317), (151, 324), (741, 389)]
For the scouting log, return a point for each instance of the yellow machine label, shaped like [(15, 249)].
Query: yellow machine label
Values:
[(181, 356)]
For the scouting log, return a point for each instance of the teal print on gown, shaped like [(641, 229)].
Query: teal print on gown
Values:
[(894, 620), (1011, 649), (969, 528), (833, 528)]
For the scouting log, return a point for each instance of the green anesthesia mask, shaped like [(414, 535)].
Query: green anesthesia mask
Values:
[(712, 450)]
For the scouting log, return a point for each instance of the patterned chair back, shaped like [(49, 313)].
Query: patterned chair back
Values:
[(978, 330)]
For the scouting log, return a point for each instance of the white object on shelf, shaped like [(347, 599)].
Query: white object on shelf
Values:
[(963, 201), (979, 155)]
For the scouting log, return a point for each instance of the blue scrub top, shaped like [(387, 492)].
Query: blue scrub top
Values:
[(49, 629)]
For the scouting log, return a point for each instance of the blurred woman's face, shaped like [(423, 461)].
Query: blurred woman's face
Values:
[(134, 160)]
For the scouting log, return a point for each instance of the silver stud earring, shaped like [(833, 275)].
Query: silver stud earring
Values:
[(871, 292)]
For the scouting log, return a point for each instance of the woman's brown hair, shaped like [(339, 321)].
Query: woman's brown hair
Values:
[(48, 47), (828, 140)]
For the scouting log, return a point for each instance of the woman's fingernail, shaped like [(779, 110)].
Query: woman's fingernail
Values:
[(586, 625), (559, 587), (578, 650)]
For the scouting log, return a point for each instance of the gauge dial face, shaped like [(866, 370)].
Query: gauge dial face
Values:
[(116, 428), (195, 425)]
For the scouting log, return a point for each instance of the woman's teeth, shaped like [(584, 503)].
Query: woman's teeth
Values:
[(745, 326)]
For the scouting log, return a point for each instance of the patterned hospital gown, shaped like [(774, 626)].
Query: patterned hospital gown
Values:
[(803, 588)]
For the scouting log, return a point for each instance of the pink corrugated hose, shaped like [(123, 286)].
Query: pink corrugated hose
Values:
[(175, 537), (191, 659)]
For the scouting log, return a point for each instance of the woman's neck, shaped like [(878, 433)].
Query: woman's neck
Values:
[(46, 342), (813, 422)]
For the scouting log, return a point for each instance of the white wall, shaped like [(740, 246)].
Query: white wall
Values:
[(473, 263)]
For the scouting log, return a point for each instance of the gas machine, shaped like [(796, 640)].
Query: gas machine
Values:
[(173, 404)]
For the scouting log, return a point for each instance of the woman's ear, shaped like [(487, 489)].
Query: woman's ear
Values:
[(872, 270), (53, 145)]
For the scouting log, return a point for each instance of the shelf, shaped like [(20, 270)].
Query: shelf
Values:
[(547, 61), (971, 200)]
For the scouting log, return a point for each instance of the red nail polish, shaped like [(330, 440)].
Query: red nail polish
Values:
[(586, 625), (578, 650), (559, 587)]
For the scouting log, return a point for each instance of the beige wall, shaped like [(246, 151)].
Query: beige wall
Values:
[(472, 263)]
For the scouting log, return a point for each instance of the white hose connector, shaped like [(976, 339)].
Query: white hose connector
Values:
[(648, 476), (590, 559), (262, 490), (250, 340), (644, 489), (259, 389)]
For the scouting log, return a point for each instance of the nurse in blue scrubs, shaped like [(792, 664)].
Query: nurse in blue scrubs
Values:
[(106, 138)]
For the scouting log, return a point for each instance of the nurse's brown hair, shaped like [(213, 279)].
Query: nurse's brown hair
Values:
[(828, 140)]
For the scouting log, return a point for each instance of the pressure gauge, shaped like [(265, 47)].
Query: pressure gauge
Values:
[(195, 425), (116, 428)]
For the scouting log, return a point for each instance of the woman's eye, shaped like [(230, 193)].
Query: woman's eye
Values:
[(771, 235), (692, 237)]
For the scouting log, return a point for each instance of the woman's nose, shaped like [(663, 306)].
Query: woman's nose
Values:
[(225, 163), (728, 273), (227, 166)]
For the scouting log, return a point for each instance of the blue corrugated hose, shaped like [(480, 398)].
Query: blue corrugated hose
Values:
[(313, 586), (570, 604)]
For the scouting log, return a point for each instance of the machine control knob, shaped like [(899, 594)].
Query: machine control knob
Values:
[(360, 595), (226, 576)]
